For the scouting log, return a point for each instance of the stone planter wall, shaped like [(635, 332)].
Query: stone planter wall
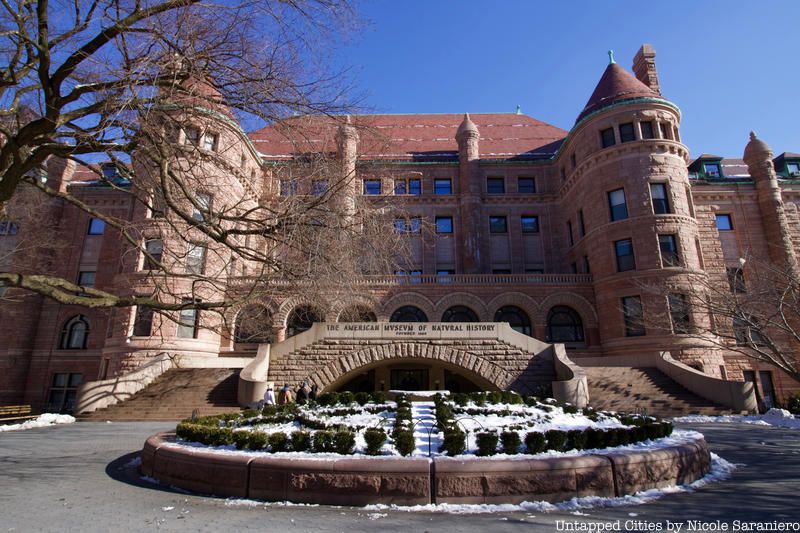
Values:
[(418, 481)]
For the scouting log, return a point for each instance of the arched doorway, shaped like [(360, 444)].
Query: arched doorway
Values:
[(357, 313), (515, 317), (253, 325), (460, 313), (301, 319), (564, 324), (408, 313)]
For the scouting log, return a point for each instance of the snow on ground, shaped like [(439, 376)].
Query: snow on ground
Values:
[(45, 420), (774, 417), (427, 440)]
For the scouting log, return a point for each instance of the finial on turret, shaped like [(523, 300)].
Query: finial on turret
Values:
[(753, 136), (347, 119), (611, 57), (519, 109)]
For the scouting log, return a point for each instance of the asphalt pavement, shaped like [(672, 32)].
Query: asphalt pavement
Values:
[(83, 477)]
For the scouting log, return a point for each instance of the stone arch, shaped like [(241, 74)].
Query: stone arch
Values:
[(290, 304), (461, 298), (406, 298), (258, 311), (481, 369), (517, 299), (578, 303), (335, 311)]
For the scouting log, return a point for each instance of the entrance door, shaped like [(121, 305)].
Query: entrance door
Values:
[(409, 379), (767, 388)]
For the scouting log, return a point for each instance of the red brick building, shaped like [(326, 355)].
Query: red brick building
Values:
[(561, 233)]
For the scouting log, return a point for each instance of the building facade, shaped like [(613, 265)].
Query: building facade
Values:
[(593, 237)]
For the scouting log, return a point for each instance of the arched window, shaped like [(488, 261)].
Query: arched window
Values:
[(460, 313), (516, 318), (75, 334), (254, 324), (408, 313), (301, 319), (564, 325), (357, 313)]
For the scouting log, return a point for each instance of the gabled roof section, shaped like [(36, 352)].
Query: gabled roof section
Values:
[(419, 137), (615, 85)]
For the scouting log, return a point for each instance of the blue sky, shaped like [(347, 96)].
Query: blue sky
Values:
[(730, 66)]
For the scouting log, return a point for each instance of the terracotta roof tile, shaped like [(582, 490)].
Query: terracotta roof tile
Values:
[(616, 84)]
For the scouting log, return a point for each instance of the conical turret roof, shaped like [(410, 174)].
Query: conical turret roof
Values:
[(615, 85)]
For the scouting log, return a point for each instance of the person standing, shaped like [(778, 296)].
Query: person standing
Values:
[(314, 392)]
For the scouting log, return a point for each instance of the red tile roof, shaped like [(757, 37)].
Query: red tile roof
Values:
[(616, 84), (413, 137)]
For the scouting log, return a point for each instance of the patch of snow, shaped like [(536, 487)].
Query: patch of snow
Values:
[(135, 462), (45, 420), (774, 417), (169, 508)]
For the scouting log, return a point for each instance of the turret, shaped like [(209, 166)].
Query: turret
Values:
[(468, 138)]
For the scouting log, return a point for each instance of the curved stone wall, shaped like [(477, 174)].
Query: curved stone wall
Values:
[(417, 481)]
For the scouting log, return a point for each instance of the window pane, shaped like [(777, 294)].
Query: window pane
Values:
[(442, 186), (75, 380), (679, 313), (400, 187), (793, 168), (495, 185), (319, 187), (195, 259), (96, 226), (526, 185), (498, 225), (154, 248), (617, 206), (607, 137), (86, 279), (203, 205), (415, 186), (400, 225), (415, 225), (187, 323), (210, 141), (143, 323), (530, 224), (658, 193), (633, 316), (624, 253), (647, 130), (372, 187), (444, 224), (669, 250), (60, 380), (724, 223), (626, 132), (712, 170)]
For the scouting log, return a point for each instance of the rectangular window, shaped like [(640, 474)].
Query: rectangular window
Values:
[(724, 223), (63, 392), (372, 187), (793, 168), (581, 223), (626, 134), (607, 137), (415, 225), (530, 224), (86, 278), (501, 271), (210, 141), (669, 251), (195, 259), (154, 249), (658, 195), (679, 313), (498, 225), (400, 225), (624, 252), (192, 136), (442, 186), (666, 130), (200, 211), (633, 316), (617, 206), (412, 186), (573, 160), (7, 227), (647, 130), (495, 185), (444, 224), (711, 169), (158, 205), (96, 226), (187, 321), (319, 187), (288, 188), (569, 233), (526, 185), (586, 266), (736, 280), (143, 323), (444, 276)]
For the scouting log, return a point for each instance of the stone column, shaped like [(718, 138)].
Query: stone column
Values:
[(347, 155), (469, 197)]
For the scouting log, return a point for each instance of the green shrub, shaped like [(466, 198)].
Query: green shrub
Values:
[(323, 441), (250, 413), (639, 433), (375, 438), (460, 399), (328, 398), (487, 443), (379, 397), (622, 436), (454, 442), (556, 440), (478, 398), (257, 440), (595, 438), (511, 397), (362, 398), (569, 409), (510, 442), (278, 442), (444, 416), (531, 401), (344, 441), (576, 439), (495, 397), (301, 441), (535, 442), (241, 439), (793, 404), (404, 442), (346, 398)]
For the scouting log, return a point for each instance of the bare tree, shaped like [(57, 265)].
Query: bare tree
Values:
[(157, 90)]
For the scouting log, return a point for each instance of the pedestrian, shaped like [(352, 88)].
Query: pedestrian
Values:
[(303, 392), (269, 394), (314, 392), (285, 395)]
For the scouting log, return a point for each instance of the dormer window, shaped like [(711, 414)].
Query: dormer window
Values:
[(711, 170), (793, 169)]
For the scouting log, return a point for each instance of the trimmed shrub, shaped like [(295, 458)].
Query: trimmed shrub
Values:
[(569, 409), (531, 401), (379, 397), (241, 439), (278, 442), (495, 397), (793, 404), (257, 440), (404, 442), (595, 438), (346, 397), (444, 416), (460, 399), (323, 441), (487, 443), (535, 442), (250, 413), (344, 441), (622, 436), (328, 398), (375, 438), (510, 442), (576, 439), (362, 398), (511, 397), (301, 441), (556, 440), (220, 436), (454, 442), (478, 398)]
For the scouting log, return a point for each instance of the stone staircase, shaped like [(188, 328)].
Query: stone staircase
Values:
[(175, 394), (643, 389)]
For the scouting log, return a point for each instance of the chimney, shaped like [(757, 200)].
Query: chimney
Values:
[(644, 66)]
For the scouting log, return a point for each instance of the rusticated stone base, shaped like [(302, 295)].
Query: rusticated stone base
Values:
[(415, 481)]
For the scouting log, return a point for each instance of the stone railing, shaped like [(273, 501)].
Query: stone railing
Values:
[(571, 385), (452, 279)]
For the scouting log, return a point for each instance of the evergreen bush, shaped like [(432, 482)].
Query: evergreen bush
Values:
[(375, 438), (510, 442), (487, 443), (535, 442)]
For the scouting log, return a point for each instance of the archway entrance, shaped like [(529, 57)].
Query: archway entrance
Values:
[(410, 375)]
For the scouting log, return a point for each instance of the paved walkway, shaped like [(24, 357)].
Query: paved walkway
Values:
[(424, 416), (74, 478)]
